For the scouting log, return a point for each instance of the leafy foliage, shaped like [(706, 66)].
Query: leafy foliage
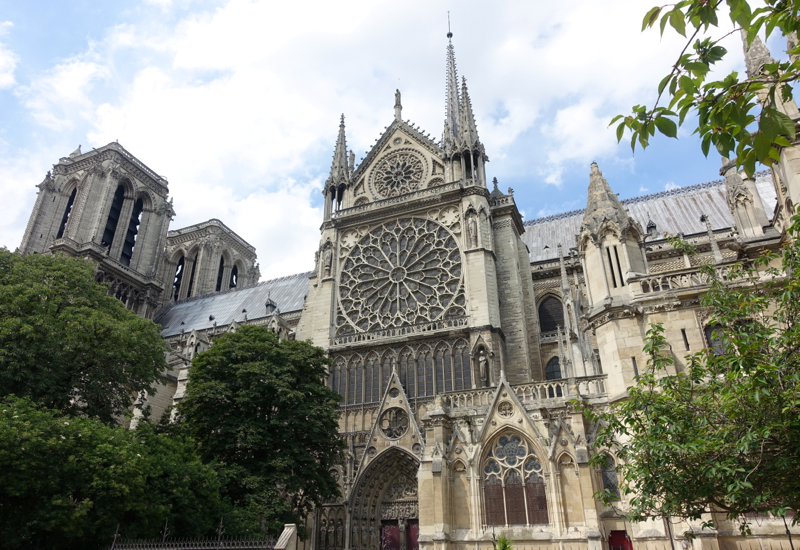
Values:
[(740, 116), (259, 407), (67, 482), (723, 434), (503, 543), (68, 345)]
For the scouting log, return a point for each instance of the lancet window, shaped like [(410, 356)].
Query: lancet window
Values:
[(424, 371), (176, 282), (130, 234), (551, 314), (513, 484), (67, 211), (609, 474), (113, 216)]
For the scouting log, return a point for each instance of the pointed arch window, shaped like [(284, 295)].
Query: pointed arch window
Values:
[(461, 367), (113, 216), (609, 474), (130, 234), (425, 373), (513, 484), (371, 380), (551, 314), (220, 272), (176, 282), (406, 373), (67, 211), (234, 277), (553, 369)]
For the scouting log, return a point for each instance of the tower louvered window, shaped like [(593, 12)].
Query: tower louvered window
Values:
[(67, 211), (130, 234), (513, 484), (113, 216)]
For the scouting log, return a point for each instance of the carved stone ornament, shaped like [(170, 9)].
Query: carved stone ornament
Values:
[(401, 273), (398, 173), (394, 423), (394, 392), (505, 409)]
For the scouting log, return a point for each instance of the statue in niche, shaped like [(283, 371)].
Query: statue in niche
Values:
[(364, 533), (482, 367), (339, 537), (373, 537), (473, 231), (331, 535), (397, 98), (327, 259), (323, 536)]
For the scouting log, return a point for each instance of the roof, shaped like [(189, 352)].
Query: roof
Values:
[(288, 293), (674, 211)]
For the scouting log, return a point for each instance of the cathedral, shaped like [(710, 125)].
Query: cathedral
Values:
[(458, 332)]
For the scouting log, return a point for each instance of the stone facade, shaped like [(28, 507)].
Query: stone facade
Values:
[(457, 333)]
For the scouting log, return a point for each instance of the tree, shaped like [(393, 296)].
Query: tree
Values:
[(260, 408), (723, 435), (742, 116), (68, 345), (68, 482)]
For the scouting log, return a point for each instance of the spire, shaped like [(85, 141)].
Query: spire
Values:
[(603, 205), (340, 166), (452, 115), (469, 132), (756, 55)]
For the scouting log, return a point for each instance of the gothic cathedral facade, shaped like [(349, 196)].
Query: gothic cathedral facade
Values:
[(458, 332)]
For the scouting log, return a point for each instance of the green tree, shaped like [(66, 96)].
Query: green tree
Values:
[(259, 407), (67, 482), (723, 435), (740, 116), (68, 345)]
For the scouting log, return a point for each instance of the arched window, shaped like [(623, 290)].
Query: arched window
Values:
[(191, 277), (513, 485), (406, 373), (65, 218), (461, 367), (610, 479), (220, 272), (553, 369), (444, 369), (113, 216), (551, 314), (176, 282), (714, 339), (234, 277), (425, 373), (337, 377), (130, 235), (371, 380)]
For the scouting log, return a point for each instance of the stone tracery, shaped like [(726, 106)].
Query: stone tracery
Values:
[(398, 173), (401, 273)]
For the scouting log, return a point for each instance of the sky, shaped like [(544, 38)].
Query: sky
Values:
[(237, 102)]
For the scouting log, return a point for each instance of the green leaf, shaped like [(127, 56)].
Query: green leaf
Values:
[(664, 82), (761, 145), (650, 17), (620, 131), (677, 21), (667, 127)]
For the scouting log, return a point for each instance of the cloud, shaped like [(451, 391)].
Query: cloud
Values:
[(669, 186), (8, 59), (643, 189), (241, 116)]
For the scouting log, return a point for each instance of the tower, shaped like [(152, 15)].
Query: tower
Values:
[(107, 206)]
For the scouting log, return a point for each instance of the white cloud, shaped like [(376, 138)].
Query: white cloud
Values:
[(643, 189), (670, 185), (238, 105), (8, 59)]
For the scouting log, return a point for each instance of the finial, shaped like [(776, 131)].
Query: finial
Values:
[(494, 182), (398, 107), (449, 34)]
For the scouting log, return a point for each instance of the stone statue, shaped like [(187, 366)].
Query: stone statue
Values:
[(327, 259), (482, 366), (397, 98), (316, 260), (373, 537), (331, 536), (339, 537), (354, 536), (323, 536), (473, 232), (364, 533)]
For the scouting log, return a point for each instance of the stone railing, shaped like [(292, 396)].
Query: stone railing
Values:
[(136, 162), (548, 337), (430, 191), (535, 392), (432, 326), (676, 280), (213, 543), (100, 250)]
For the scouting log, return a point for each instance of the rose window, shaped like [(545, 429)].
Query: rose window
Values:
[(399, 173), (401, 273)]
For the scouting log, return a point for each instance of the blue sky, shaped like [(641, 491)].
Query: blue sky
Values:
[(237, 102)]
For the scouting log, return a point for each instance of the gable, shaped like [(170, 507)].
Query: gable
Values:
[(402, 161)]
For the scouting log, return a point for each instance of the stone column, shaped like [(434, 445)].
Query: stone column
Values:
[(188, 268), (122, 227)]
